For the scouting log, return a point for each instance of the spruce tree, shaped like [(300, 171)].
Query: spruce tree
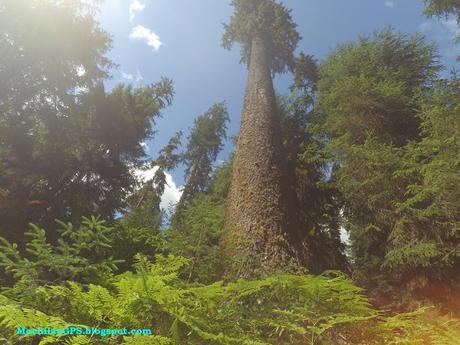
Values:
[(204, 144), (370, 100), (258, 236)]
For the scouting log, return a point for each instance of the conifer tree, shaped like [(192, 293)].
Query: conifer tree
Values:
[(444, 8), (258, 235), (204, 144), (67, 145), (369, 109)]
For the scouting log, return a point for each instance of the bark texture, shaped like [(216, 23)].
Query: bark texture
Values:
[(260, 236)]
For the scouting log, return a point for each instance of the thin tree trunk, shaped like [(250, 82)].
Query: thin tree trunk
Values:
[(257, 237)]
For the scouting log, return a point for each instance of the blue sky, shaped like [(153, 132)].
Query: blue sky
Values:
[(180, 39)]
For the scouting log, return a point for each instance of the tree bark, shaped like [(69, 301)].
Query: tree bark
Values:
[(259, 236)]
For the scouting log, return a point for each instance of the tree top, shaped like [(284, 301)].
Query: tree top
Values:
[(268, 20)]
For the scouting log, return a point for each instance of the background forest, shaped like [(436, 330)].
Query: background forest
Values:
[(369, 140)]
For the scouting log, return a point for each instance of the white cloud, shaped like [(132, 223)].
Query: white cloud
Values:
[(447, 26), (451, 26), (144, 34), (135, 6), (445, 31), (390, 4), (144, 175), (172, 192), (127, 76)]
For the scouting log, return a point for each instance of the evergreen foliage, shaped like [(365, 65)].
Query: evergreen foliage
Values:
[(167, 160), (66, 144), (425, 240), (383, 113), (140, 228), (204, 144), (268, 20), (444, 8), (318, 200), (197, 235), (371, 88)]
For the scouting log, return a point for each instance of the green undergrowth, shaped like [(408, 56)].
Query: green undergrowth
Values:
[(281, 309)]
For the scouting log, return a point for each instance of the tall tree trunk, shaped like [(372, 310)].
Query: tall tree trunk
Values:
[(258, 238)]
